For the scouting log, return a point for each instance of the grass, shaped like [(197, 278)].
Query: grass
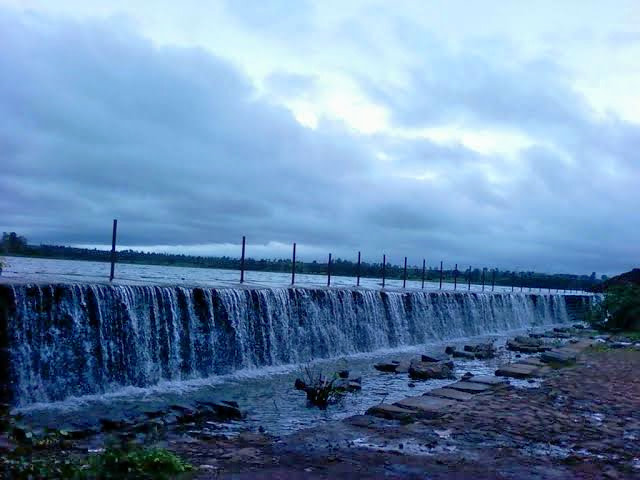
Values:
[(113, 463)]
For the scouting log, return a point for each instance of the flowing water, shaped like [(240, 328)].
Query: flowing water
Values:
[(87, 348)]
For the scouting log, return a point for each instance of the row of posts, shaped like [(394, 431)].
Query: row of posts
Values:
[(384, 268)]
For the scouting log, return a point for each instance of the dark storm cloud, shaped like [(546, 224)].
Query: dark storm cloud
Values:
[(98, 123)]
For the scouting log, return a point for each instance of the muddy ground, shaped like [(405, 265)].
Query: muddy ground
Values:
[(583, 422)]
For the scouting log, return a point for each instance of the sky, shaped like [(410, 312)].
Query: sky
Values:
[(483, 133)]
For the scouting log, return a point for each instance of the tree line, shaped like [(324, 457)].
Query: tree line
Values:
[(13, 244)]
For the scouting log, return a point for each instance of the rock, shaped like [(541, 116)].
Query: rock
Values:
[(435, 357), (343, 374), (386, 367), (411, 385), (517, 370), (391, 412), (450, 393), (465, 355), (449, 350), (488, 380), (225, 410), (403, 367), (578, 326), (429, 370), (535, 361), (621, 344), (522, 347), (299, 384), (425, 406), (485, 354), (558, 356), (470, 387)]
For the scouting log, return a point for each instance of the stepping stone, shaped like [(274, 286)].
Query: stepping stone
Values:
[(558, 356), (517, 370), (488, 380), (450, 393), (426, 407), (391, 412), (535, 361), (470, 387)]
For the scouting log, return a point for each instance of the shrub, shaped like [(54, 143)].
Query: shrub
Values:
[(619, 310)]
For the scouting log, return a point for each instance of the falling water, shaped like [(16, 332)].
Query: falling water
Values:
[(71, 340)]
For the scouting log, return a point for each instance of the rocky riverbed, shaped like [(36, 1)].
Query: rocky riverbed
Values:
[(583, 421), (578, 419)]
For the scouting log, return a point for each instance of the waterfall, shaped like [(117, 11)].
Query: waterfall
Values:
[(71, 340)]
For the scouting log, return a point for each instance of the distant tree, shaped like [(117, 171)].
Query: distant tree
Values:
[(13, 243)]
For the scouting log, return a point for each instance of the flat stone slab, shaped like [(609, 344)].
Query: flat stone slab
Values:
[(517, 370), (535, 361), (425, 406), (391, 412), (471, 387), (488, 380), (450, 393), (558, 356)]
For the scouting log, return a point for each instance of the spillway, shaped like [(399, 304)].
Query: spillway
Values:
[(62, 340)]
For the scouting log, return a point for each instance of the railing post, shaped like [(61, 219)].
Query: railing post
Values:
[(493, 279), (329, 272), (513, 281), (483, 272), (384, 267), (113, 249), (455, 278), (404, 275), (424, 265), (469, 280), (244, 239), (521, 281), (358, 272), (293, 265), (441, 273)]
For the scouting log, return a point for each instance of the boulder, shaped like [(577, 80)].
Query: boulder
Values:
[(386, 367), (449, 350), (429, 370), (435, 357), (343, 374)]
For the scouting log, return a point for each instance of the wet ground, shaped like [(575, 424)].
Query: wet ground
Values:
[(583, 422)]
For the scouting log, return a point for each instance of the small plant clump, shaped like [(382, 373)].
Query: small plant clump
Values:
[(322, 391)]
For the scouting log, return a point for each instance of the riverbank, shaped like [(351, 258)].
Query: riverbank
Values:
[(582, 422)]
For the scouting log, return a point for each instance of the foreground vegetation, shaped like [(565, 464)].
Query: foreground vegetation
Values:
[(619, 309), (26, 455)]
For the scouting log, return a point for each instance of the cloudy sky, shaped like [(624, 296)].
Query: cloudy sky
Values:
[(479, 132)]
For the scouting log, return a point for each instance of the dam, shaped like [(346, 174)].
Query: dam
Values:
[(63, 340)]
